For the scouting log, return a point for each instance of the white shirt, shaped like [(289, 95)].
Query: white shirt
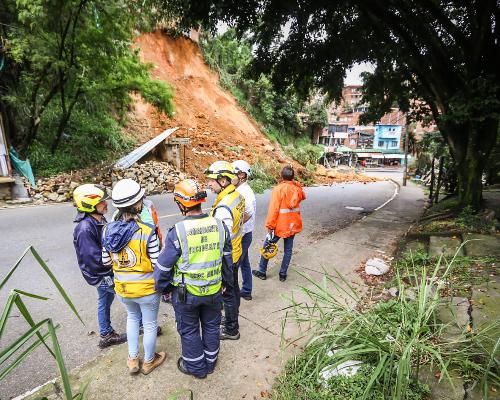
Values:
[(250, 206)]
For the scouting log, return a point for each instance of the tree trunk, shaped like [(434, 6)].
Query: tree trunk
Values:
[(439, 179), (471, 145), (431, 188)]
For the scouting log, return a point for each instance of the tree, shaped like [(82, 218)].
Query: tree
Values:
[(443, 53), (67, 55)]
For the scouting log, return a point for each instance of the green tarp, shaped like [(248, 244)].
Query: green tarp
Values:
[(23, 167)]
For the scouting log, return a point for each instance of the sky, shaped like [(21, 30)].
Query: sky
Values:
[(353, 75)]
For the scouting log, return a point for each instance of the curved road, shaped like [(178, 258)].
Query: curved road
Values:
[(49, 229)]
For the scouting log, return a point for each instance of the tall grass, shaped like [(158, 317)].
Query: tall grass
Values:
[(395, 339), (17, 351)]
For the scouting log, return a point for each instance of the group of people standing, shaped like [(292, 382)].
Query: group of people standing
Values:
[(195, 265)]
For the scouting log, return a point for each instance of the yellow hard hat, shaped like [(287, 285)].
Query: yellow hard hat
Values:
[(219, 169), (269, 250), (87, 196), (188, 193)]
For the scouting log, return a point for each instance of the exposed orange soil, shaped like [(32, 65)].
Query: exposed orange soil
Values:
[(211, 117)]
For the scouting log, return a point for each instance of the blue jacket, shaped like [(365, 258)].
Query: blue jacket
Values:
[(164, 271), (87, 239)]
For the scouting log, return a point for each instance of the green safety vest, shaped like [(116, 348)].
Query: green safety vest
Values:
[(200, 264)]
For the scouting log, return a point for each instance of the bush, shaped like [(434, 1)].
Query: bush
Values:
[(263, 175), (473, 222), (395, 339), (304, 153), (88, 140)]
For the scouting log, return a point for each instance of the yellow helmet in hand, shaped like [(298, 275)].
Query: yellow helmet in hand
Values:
[(269, 250)]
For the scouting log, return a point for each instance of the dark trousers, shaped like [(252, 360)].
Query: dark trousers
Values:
[(246, 269), (231, 299), (199, 350), (287, 256)]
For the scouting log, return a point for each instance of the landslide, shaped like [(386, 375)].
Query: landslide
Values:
[(207, 114)]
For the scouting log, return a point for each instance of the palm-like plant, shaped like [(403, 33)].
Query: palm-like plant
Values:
[(10, 357)]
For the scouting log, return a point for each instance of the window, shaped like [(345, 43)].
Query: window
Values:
[(380, 143), (394, 143)]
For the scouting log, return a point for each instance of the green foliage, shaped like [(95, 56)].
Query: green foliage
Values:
[(67, 58), (471, 221), (396, 339), (421, 50), (263, 175), (306, 154), (9, 356), (89, 140), (275, 111)]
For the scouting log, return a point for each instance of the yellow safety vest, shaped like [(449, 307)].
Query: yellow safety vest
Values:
[(200, 264), (233, 201), (132, 266)]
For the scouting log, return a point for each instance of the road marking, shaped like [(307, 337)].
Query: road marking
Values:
[(396, 192)]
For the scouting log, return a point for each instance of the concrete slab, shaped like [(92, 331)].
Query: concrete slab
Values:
[(482, 245), (444, 389), (486, 308), (446, 246), (455, 313)]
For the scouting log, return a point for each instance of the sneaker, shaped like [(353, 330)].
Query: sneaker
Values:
[(282, 278), (111, 339), (247, 297), (158, 330), (158, 359), (181, 367), (133, 365), (225, 335), (258, 274)]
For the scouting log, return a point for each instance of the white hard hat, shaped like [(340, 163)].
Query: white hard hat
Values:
[(242, 166), (126, 192)]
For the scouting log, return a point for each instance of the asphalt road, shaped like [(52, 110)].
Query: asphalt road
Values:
[(49, 229)]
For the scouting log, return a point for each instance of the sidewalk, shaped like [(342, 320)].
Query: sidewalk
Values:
[(246, 368)]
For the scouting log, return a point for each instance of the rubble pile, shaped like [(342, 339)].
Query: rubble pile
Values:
[(332, 175), (154, 176)]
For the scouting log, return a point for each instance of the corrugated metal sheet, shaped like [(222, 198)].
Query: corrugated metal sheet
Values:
[(134, 156)]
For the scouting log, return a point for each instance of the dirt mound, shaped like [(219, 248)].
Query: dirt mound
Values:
[(211, 117)]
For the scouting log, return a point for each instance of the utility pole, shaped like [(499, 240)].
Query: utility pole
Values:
[(407, 137)]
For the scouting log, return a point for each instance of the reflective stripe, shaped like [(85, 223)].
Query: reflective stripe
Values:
[(132, 277), (222, 234), (211, 359), (163, 268), (211, 353), (195, 282), (194, 359), (184, 246), (289, 210)]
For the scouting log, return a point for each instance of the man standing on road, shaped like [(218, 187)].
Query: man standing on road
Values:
[(229, 207), (243, 171), (283, 221), (90, 200), (197, 261)]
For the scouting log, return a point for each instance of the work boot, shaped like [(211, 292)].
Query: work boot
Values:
[(282, 278), (158, 330), (111, 339), (258, 274), (225, 335), (245, 296), (181, 367), (133, 365), (147, 367)]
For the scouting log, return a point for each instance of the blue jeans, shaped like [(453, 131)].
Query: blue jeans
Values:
[(106, 295), (147, 307), (288, 242), (199, 351), (246, 270)]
